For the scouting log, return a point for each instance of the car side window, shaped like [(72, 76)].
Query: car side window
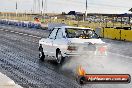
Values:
[(59, 34), (53, 33)]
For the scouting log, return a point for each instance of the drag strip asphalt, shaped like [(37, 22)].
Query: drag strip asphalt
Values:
[(19, 61)]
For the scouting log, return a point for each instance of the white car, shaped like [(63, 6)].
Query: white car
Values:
[(69, 41)]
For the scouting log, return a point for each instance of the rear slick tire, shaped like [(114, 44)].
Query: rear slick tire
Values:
[(59, 57)]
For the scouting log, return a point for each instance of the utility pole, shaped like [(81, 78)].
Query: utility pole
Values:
[(42, 7), (38, 6), (86, 7), (45, 6), (34, 6), (130, 18), (16, 9)]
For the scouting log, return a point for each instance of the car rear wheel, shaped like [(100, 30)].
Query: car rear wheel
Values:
[(59, 57)]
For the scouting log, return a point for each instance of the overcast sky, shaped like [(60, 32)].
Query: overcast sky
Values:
[(94, 6)]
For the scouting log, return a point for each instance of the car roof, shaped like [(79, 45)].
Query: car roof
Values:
[(74, 27)]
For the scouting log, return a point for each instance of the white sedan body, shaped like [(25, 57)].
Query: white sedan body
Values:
[(58, 40)]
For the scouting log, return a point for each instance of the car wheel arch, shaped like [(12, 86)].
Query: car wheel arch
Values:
[(57, 50), (41, 48)]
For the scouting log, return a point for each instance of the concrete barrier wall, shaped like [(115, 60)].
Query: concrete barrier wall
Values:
[(117, 34), (126, 35), (112, 33), (21, 23)]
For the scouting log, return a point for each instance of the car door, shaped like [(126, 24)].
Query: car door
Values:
[(60, 41), (49, 43)]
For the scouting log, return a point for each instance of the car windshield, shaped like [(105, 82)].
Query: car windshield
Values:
[(81, 33)]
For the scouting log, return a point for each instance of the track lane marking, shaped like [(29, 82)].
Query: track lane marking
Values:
[(25, 34), (1, 29), (35, 36), (20, 33), (121, 55), (38, 37), (6, 30), (30, 35), (16, 32), (11, 31)]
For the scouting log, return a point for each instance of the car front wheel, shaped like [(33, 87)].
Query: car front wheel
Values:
[(41, 54)]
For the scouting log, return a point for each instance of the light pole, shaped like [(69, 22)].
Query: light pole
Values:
[(6, 14), (130, 18), (42, 7), (38, 6), (34, 6), (86, 9), (16, 10)]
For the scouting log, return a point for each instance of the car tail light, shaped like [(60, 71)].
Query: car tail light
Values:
[(71, 48), (102, 49)]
